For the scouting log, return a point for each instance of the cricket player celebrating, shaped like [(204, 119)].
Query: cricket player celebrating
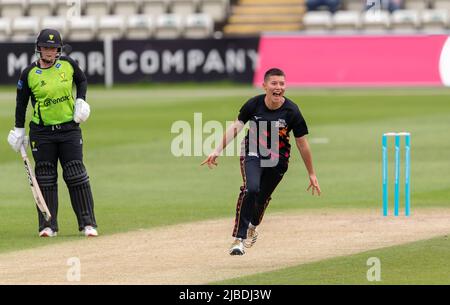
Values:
[(54, 130), (265, 156)]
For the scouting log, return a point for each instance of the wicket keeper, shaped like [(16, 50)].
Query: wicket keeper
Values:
[(55, 133), (264, 160)]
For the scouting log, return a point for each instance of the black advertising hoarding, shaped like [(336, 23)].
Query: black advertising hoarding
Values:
[(90, 55), (14, 57), (148, 60), (185, 60)]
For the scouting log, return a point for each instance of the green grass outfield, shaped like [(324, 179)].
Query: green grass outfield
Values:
[(138, 183), (418, 263)]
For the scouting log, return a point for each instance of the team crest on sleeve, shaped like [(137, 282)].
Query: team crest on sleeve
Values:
[(20, 84)]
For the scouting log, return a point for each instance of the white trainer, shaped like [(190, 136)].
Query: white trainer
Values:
[(252, 236), (47, 232), (237, 247), (90, 231)]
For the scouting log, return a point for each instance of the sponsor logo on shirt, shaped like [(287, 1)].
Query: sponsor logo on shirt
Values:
[(38, 71), (281, 123), (55, 101), (58, 65), (20, 84)]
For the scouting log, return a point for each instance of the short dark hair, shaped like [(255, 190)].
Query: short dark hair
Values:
[(273, 72)]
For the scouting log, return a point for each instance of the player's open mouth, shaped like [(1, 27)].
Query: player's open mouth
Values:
[(277, 94)]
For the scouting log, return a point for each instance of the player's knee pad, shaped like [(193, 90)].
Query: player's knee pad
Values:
[(77, 181), (47, 177), (75, 174), (46, 174)]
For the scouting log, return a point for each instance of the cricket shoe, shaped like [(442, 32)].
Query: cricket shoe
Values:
[(252, 236), (237, 247), (90, 231), (47, 232)]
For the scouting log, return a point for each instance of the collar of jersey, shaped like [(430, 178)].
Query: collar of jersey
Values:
[(37, 65), (272, 110)]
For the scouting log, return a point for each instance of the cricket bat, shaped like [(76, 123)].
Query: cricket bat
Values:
[(37, 194)]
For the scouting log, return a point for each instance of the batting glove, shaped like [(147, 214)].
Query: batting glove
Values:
[(82, 111), (17, 138)]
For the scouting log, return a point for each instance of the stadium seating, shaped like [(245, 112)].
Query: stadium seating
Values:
[(126, 7), (98, 7), (405, 20), (139, 27), (417, 5), (183, 7), (154, 7), (378, 22), (63, 8), (250, 17), (317, 21), (96, 19), (143, 19), (168, 26), (354, 5), (82, 28), (111, 26), (217, 9), (13, 8), (442, 4), (24, 28), (347, 20), (418, 16), (198, 26), (41, 8), (5, 28), (55, 22), (435, 20)]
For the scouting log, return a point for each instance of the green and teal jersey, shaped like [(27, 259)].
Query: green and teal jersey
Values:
[(50, 90)]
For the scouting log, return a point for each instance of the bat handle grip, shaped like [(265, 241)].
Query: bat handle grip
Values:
[(23, 151)]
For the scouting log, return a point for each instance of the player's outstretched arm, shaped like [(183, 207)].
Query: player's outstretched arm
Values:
[(228, 136), (305, 152)]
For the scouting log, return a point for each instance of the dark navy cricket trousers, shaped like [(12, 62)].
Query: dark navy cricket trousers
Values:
[(259, 184)]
